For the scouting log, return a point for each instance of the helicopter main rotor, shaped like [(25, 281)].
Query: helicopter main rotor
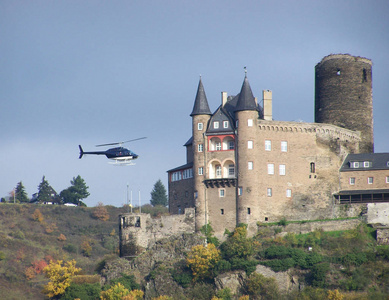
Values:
[(120, 143)]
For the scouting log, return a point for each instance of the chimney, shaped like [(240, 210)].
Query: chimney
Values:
[(224, 98), (267, 105)]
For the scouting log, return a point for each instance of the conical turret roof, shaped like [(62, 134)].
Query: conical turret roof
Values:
[(201, 106), (246, 99)]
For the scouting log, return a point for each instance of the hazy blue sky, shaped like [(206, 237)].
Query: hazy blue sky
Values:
[(93, 72)]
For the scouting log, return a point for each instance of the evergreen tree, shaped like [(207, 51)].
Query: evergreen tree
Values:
[(20, 193), (158, 194), (77, 191), (44, 191)]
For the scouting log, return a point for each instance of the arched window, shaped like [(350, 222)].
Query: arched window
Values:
[(228, 143), (215, 144)]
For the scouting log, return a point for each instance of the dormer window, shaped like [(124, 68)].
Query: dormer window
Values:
[(216, 125), (354, 164), (225, 124), (366, 164)]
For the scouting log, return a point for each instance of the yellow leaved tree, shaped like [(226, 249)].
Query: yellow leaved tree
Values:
[(201, 261), (60, 274), (119, 292)]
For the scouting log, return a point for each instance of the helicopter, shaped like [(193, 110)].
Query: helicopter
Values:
[(120, 155)]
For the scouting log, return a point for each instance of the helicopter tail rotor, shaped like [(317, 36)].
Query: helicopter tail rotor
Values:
[(81, 151)]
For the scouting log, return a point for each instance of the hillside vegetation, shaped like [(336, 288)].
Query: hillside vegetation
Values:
[(32, 235), (82, 243)]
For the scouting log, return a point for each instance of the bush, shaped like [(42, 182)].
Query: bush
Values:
[(319, 273), (182, 277), (278, 265), (85, 291), (70, 248), (127, 281), (248, 265), (260, 287)]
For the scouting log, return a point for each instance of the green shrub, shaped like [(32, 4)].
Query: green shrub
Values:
[(182, 277), (85, 291), (224, 294), (248, 265), (128, 281), (278, 265), (2, 255), (319, 273), (260, 287), (355, 259), (222, 266), (70, 248)]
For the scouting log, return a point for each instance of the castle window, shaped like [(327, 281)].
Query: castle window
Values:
[(176, 176), (352, 180), (231, 145), (248, 210), (216, 125), (219, 171), (364, 77), (282, 169), (267, 145), (284, 146), (188, 173), (270, 169), (366, 164), (269, 192), (222, 211), (231, 170), (266, 219), (201, 171), (288, 193), (354, 164), (236, 123), (387, 179), (200, 147), (250, 144), (250, 122), (218, 146), (370, 180), (195, 194), (250, 165), (312, 167), (199, 126), (222, 192), (240, 191), (225, 124)]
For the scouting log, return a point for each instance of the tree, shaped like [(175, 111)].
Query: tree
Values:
[(201, 260), (158, 194), (76, 192), (45, 191), (260, 287), (20, 193), (60, 275), (100, 212)]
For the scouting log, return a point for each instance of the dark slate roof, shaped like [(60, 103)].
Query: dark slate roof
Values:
[(379, 161), (183, 167), (189, 142), (221, 115), (363, 192), (200, 106), (246, 99)]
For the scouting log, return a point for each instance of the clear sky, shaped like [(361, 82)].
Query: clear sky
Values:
[(94, 72)]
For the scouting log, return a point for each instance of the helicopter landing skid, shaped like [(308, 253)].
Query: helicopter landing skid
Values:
[(123, 163)]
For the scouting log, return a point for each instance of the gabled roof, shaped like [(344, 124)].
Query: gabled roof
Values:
[(201, 106), (246, 99), (220, 115), (377, 161)]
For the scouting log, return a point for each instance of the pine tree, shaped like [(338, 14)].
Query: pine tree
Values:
[(158, 194), (20, 193), (76, 192), (44, 191)]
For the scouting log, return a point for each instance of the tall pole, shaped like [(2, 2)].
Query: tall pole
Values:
[(131, 201), (128, 204), (140, 209)]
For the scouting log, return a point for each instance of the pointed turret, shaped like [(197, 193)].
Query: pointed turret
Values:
[(246, 99), (200, 106)]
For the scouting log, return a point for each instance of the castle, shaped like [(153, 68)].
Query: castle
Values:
[(244, 167)]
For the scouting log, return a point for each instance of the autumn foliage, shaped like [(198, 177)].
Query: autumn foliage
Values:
[(100, 212), (60, 275), (201, 260)]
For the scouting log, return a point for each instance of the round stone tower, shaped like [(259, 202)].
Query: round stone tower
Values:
[(343, 95)]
